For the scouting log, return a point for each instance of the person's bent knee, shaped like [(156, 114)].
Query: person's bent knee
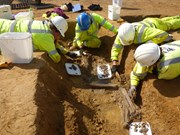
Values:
[(94, 43)]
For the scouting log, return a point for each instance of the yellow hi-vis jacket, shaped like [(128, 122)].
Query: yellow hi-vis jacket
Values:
[(97, 22), (150, 29), (168, 66), (42, 36)]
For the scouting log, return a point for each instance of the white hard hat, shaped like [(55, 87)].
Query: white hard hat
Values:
[(60, 23), (126, 33), (147, 54)]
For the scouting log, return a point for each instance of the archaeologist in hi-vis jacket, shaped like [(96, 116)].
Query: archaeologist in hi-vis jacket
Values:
[(164, 61), (86, 30), (45, 34), (149, 30)]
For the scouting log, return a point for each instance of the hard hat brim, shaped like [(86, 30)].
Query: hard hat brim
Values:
[(62, 34), (123, 42)]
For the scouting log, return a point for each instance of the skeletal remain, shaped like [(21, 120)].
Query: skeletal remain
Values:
[(132, 109)]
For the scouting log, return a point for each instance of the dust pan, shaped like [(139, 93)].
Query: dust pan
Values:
[(140, 128), (72, 69), (104, 71)]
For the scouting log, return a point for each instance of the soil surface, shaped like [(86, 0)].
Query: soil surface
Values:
[(41, 98)]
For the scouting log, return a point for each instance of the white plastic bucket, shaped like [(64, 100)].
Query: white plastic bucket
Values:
[(16, 47), (5, 12), (114, 12)]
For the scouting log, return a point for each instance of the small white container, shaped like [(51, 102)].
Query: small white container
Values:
[(117, 3), (104, 71), (24, 16), (16, 47), (72, 69), (136, 128), (5, 12), (114, 12)]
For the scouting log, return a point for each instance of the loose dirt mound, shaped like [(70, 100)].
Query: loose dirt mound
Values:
[(41, 98)]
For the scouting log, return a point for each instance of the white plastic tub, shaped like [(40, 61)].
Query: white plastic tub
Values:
[(140, 128), (104, 71), (5, 12), (16, 47), (72, 69), (117, 2), (114, 12)]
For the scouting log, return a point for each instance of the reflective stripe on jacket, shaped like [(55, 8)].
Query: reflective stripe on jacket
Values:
[(153, 29), (144, 33), (168, 67), (116, 48), (42, 36), (97, 22)]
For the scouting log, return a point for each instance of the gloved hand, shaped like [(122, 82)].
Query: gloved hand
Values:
[(114, 69), (72, 55), (132, 92)]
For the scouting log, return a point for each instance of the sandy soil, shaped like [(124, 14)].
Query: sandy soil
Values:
[(41, 98)]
